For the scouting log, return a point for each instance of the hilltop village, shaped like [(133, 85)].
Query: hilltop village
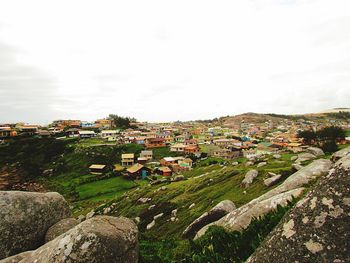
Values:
[(229, 138)]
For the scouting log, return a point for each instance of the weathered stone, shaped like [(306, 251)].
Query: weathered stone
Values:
[(261, 164), (179, 178), (277, 156), (320, 230), (249, 163), (59, 228), (81, 218), (25, 218), (241, 217), (302, 157), (191, 206), (101, 239), (297, 166), (217, 212), (90, 214), (340, 154), (235, 163), (315, 151), (144, 200), (249, 177), (158, 216), (272, 180), (150, 225), (293, 158)]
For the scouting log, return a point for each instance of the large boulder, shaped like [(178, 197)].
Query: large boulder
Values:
[(315, 151), (340, 154), (317, 229), (272, 180), (101, 239), (217, 212), (292, 186), (25, 218), (302, 157), (60, 227), (249, 177), (241, 217)]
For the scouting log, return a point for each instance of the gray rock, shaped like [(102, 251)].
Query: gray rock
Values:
[(297, 166), (340, 154), (302, 157), (271, 174), (261, 164), (293, 158), (101, 239), (240, 218), (158, 216), (174, 212), (191, 206), (317, 228), (90, 214), (217, 212), (179, 178), (81, 218), (315, 151), (25, 218), (150, 225), (59, 228), (235, 163), (151, 207), (249, 177), (272, 180), (249, 163), (277, 156), (144, 200), (292, 186)]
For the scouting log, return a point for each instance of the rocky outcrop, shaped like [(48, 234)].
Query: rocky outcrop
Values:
[(317, 229), (318, 152), (272, 180), (249, 177), (101, 239), (217, 212), (292, 186), (241, 217), (25, 218), (60, 227), (340, 154), (302, 157)]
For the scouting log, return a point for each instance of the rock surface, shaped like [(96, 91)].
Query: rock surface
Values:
[(60, 227), (315, 151), (340, 154), (25, 218), (317, 229), (272, 180), (241, 217), (101, 239), (249, 177), (217, 212), (302, 157), (292, 186)]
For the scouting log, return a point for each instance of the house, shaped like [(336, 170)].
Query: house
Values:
[(178, 147), (73, 132), (107, 134), (28, 129), (138, 171), (128, 159), (147, 154), (44, 133), (166, 161), (165, 171), (86, 134), (97, 169), (6, 132), (227, 153), (186, 162), (191, 149), (155, 143)]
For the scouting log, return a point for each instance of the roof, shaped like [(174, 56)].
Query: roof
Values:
[(164, 169), (146, 152), (169, 159), (142, 159), (97, 166), (135, 168), (86, 132), (127, 155), (109, 131)]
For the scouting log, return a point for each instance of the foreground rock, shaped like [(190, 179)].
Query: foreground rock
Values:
[(214, 214), (101, 239), (249, 177), (241, 217), (340, 154), (25, 218), (317, 229), (60, 227), (318, 152), (292, 186), (302, 157), (272, 180)]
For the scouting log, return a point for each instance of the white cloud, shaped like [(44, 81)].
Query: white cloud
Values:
[(166, 60)]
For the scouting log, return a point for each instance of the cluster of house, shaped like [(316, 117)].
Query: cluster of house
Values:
[(144, 165)]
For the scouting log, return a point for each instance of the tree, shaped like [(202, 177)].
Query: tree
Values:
[(309, 136), (121, 122)]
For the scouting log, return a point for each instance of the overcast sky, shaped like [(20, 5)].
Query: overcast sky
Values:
[(171, 60)]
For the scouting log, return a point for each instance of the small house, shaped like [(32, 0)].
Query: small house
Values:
[(128, 159), (166, 161), (86, 134), (178, 147), (147, 154), (138, 171), (165, 171), (97, 169), (155, 143), (73, 132)]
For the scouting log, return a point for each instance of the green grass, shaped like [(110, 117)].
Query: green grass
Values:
[(159, 153), (116, 185)]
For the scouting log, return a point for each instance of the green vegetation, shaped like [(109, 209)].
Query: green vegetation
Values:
[(121, 122), (217, 245)]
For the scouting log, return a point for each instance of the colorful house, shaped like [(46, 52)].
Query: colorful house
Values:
[(128, 159)]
